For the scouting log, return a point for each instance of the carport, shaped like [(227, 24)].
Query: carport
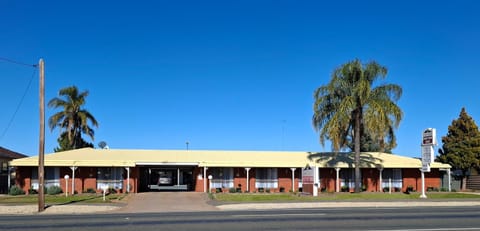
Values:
[(167, 176)]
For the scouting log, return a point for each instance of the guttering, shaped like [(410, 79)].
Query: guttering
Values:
[(167, 163)]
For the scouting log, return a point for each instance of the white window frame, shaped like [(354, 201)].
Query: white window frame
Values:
[(51, 177), (266, 178), (110, 177), (395, 174), (222, 178)]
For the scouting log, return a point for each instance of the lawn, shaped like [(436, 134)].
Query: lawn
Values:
[(289, 197), (61, 199)]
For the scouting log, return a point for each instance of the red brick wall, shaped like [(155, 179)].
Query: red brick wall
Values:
[(327, 179), (412, 177), (85, 178), (198, 183), (240, 178), (370, 178), (23, 178)]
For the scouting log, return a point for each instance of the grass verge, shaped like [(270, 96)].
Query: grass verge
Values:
[(61, 199), (290, 197)]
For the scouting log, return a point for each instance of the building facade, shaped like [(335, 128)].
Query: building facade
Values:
[(92, 170), (6, 175)]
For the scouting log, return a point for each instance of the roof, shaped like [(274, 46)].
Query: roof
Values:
[(89, 157), (9, 154)]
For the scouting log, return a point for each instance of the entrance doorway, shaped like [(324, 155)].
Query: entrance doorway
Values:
[(166, 178)]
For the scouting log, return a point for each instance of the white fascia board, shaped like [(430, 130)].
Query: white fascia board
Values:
[(166, 164)]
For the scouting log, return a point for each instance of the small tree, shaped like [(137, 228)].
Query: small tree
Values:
[(65, 145), (461, 145)]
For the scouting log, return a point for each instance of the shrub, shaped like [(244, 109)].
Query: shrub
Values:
[(232, 190), (32, 191), (111, 191), (15, 190), (282, 189), (218, 190), (410, 188), (267, 190), (90, 190), (54, 190), (261, 190), (345, 189)]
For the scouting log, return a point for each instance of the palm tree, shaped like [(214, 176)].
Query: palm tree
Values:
[(73, 119), (352, 104)]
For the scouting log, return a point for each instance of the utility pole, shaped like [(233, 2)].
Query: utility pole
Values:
[(41, 149)]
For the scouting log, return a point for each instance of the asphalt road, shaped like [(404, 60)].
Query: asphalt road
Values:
[(414, 218)]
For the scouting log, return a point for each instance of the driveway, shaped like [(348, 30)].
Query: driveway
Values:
[(156, 202)]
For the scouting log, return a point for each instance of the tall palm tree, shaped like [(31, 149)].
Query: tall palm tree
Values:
[(72, 119), (353, 103)]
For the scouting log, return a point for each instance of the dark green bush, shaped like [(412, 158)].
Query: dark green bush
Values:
[(111, 191), (90, 190), (54, 190), (32, 191), (232, 190), (15, 190)]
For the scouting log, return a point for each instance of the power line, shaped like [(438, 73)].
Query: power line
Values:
[(19, 104), (17, 62)]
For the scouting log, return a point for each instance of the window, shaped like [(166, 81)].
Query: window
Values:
[(222, 178), (3, 167), (110, 178), (52, 177), (347, 178), (393, 174), (266, 178)]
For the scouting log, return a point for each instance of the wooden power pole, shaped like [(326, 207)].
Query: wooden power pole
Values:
[(41, 149)]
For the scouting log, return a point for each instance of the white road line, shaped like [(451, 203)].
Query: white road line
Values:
[(280, 215), (437, 229)]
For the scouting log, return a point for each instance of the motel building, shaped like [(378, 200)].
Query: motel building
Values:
[(92, 170)]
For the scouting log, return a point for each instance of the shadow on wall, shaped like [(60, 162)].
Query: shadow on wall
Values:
[(335, 159)]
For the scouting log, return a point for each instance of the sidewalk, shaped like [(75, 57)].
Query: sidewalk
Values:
[(191, 202)]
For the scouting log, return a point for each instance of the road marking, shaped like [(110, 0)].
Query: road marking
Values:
[(437, 229), (280, 214)]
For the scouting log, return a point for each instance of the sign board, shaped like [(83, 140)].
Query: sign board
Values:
[(427, 154), (308, 175), (429, 137), (425, 167)]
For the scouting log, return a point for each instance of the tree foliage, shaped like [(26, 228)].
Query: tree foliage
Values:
[(64, 143), (461, 145), (353, 105), (72, 120)]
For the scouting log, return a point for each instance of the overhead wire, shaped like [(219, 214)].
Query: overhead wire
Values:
[(17, 62), (23, 96)]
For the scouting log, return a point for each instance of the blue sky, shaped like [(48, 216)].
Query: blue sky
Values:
[(231, 75)]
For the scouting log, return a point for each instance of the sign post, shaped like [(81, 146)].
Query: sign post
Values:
[(429, 139), (308, 176)]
